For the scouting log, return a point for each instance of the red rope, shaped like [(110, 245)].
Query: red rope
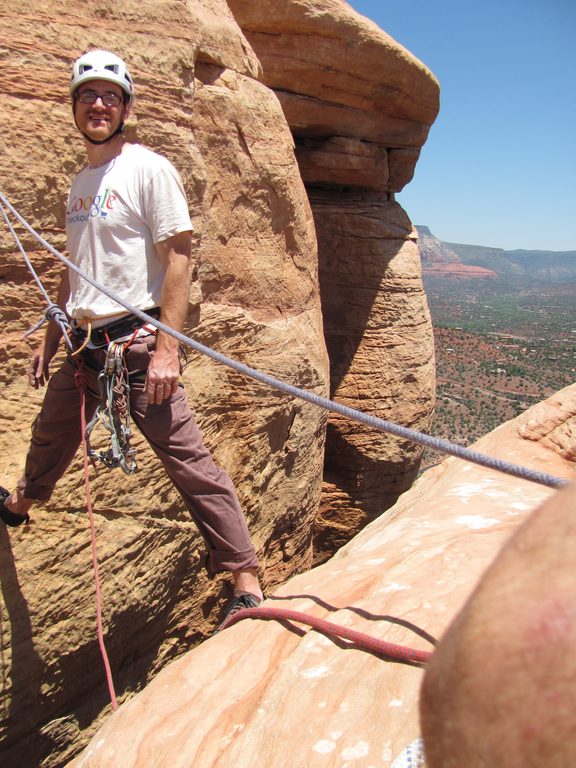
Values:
[(368, 643), (81, 384)]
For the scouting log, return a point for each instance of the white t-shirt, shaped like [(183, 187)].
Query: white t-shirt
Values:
[(115, 215)]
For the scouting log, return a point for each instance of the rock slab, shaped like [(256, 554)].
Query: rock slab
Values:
[(284, 695)]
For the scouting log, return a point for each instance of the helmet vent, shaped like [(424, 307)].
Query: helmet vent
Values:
[(102, 65)]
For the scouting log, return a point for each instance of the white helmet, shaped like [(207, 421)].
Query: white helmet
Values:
[(102, 65)]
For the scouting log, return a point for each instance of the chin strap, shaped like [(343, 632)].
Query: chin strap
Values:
[(118, 130)]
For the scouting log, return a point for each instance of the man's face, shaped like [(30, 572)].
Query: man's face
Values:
[(99, 108)]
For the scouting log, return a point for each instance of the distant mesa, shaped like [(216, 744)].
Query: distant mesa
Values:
[(459, 272), (457, 261), (442, 260)]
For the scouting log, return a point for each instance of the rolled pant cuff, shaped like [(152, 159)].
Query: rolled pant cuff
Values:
[(219, 561), (34, 492)]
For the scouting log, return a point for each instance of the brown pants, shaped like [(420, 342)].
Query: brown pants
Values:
[(172, 433)]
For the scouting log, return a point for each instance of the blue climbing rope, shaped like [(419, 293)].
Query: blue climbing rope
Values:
[(381, 425)]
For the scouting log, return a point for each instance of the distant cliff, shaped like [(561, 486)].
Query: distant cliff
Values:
[(444, 259), (441, 260)]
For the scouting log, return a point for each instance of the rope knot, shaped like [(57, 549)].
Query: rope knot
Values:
[(54, 312)]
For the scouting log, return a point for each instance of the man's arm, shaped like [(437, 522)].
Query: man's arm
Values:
[(164, 369), (39, 368)]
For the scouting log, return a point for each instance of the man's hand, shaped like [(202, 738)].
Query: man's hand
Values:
[(39, 367), (163, 375)]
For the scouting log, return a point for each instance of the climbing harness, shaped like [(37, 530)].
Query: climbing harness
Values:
[(113, 413), (113, 410)]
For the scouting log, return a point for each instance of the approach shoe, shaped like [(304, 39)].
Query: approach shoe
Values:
[(238, 603), (6, 515)]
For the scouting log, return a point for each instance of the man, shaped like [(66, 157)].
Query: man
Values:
[(128, 226)]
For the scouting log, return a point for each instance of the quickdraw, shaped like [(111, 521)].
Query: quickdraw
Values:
[(113, 413)]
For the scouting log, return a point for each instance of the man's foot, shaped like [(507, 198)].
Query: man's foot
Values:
[(238, 603), (246, 583), (13, 519)]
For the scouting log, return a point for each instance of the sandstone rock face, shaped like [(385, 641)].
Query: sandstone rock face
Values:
[(360, 107), (204, 100), (379, 337), (256, 298), (284, 695), (359, 104)]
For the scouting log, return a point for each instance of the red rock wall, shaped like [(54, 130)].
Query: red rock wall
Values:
[(360, 107)]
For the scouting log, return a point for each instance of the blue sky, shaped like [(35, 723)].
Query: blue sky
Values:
[(499, 166)]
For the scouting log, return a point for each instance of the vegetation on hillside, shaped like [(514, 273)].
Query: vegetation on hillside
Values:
[(500, 348)]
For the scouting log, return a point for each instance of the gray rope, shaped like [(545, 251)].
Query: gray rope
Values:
[(53, 311), (381, 425)]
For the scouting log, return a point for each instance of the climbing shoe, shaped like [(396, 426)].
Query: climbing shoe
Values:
[(238, 603), (6, 515)]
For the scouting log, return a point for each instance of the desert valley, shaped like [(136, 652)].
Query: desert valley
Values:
[(504, 331)]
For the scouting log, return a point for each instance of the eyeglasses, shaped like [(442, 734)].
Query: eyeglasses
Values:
[(108, 99)]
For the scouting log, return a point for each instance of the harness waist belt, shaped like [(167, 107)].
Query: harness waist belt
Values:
[(106, 333)]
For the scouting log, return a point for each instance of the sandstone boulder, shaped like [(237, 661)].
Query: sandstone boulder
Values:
[(280, 694)]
